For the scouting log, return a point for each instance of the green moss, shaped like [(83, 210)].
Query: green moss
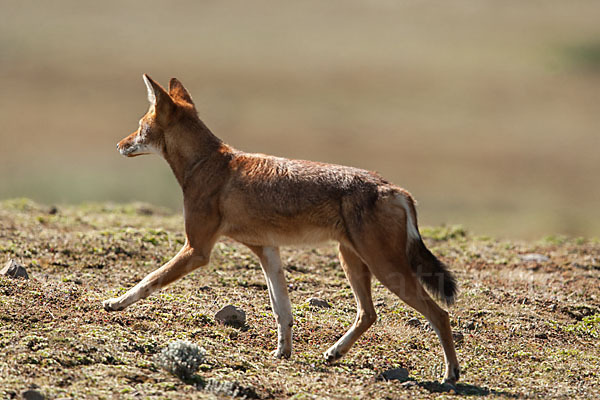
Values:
[(444, 233), (20, 204), (585, 55), (588, 326), (555, 239)]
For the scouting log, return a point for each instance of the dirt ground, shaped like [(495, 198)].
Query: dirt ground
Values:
[(527, 319)]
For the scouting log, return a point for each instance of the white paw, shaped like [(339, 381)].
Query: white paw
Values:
[(452, 375), (111, 305), (281, 353), (332, 355)]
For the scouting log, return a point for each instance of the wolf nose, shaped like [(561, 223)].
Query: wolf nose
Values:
[(117, 146)]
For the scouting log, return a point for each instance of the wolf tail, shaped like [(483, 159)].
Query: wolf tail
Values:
[(433, 273)]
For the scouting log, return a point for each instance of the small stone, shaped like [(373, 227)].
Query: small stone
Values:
[(14, 270), (534, 257), (53, 210), (231, 315), (316, 302), (144, 210), (397, 374), (541, 335), (458, 337), (414, 322), (32, 394)]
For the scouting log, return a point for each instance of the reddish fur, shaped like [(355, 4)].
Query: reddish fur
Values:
[(262, 200)]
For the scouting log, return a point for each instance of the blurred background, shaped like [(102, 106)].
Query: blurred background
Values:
[(488, 111)]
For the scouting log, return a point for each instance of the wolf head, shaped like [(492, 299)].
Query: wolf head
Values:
[(167, 110)]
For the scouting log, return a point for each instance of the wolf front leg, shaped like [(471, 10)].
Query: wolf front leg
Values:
[(184, 262), (278, 294)]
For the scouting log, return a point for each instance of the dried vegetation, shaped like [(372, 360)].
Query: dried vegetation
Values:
[(525, 326)]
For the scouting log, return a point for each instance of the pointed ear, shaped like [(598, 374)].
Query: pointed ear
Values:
[(156, 94), (177, 91)]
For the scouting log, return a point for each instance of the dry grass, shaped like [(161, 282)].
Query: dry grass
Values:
[(485, 110), (530, 329)]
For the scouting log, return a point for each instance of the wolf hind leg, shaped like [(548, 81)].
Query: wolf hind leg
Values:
[(399, 278), (359, 276)]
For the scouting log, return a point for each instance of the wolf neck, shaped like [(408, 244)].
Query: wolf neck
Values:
[(190, 146)]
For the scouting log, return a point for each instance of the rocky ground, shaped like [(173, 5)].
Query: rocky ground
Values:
[(527, 320)]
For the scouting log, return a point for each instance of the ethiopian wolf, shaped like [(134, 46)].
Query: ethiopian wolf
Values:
[(265, 202)]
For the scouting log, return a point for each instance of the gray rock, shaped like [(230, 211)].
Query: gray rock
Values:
[(32, 394), (458, 337), (541, 335), (316, 302), (14, 270), (414, 322), (231, 315), (534, 257), (395, 374)]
